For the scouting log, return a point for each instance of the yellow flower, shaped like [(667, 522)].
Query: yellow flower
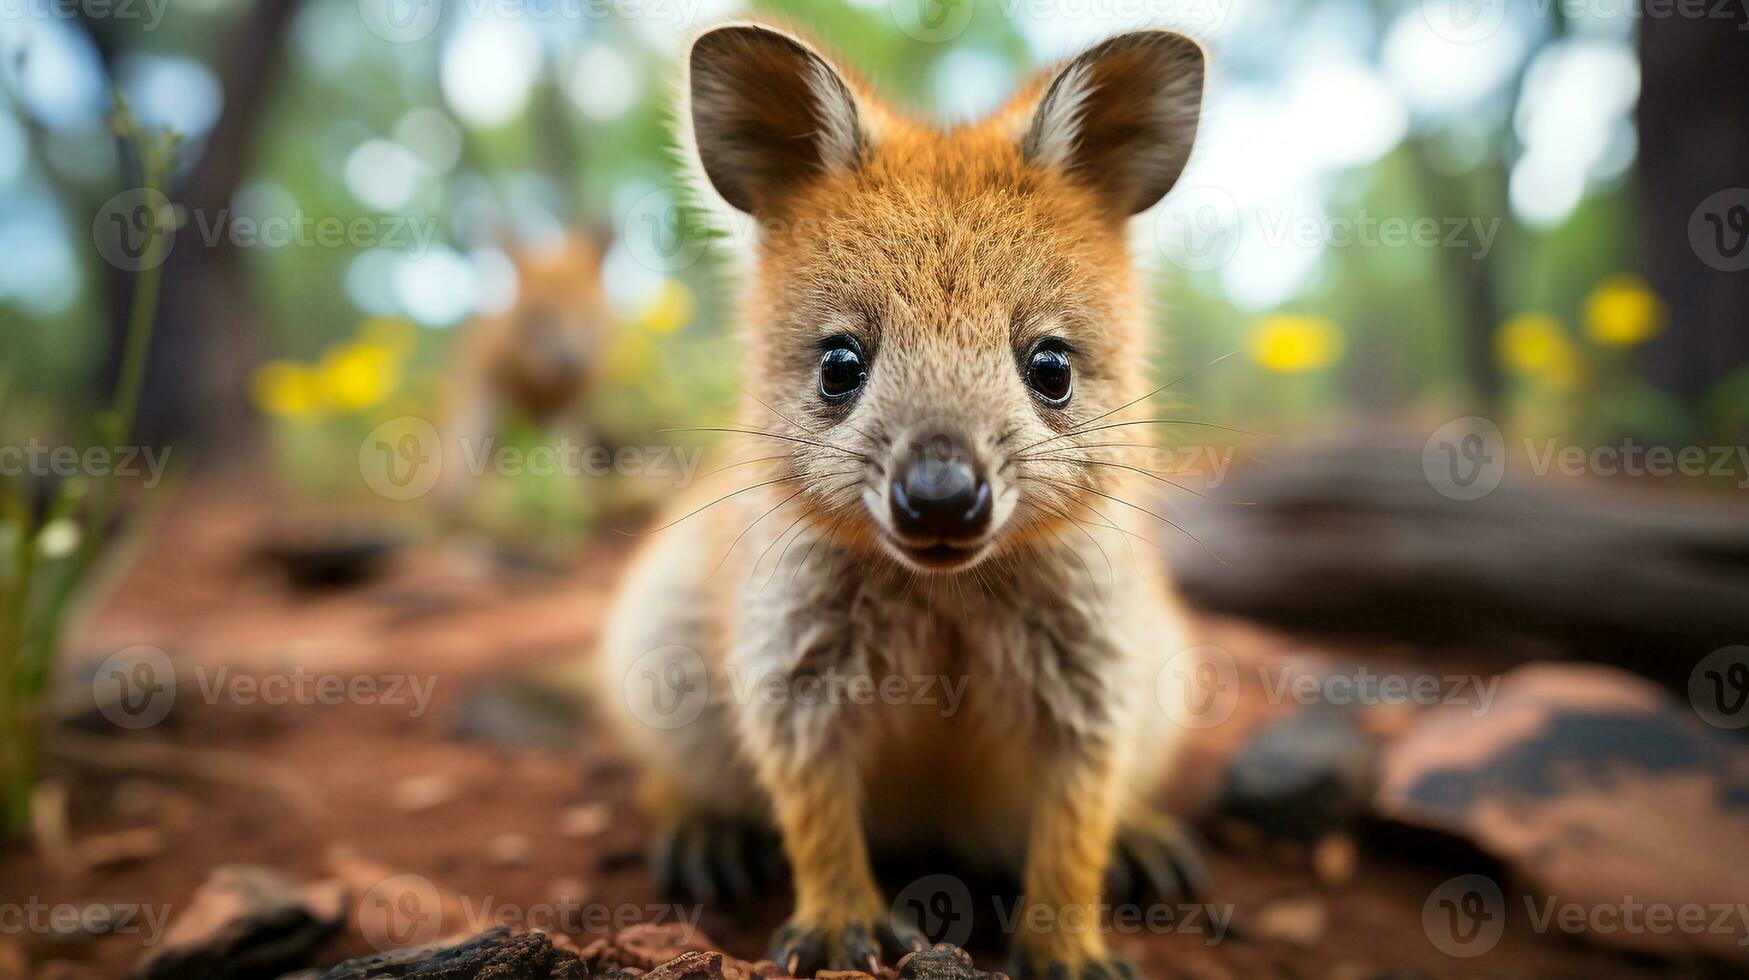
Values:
[(358, 375), (287, 390), (1622, 311), (1289, 343), (1536, 344), (630, 357), (672, 308), (395, 334)]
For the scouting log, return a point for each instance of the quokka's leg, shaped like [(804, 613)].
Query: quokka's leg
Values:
[(1058, 934), (809, 769)]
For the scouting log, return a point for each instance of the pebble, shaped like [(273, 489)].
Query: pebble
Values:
[(510, 850), (588, 820)]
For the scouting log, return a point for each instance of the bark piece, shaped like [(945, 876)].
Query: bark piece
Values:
[(246, 922)]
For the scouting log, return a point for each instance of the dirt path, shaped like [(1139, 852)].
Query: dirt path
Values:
[(546, 837)]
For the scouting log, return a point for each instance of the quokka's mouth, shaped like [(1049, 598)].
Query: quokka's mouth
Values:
[(940, 556)]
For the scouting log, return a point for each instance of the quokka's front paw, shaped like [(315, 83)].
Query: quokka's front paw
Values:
[(1104, 966), (804, 948), (706, 858)]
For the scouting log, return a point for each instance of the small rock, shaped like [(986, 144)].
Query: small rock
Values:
[(1334, 859), (696, 965), (647, 945), (588, 820), (245, 922), (416, 794), (519, 711), (13, 965), (122, 847), (496, 954), (943, 962), (1297, 921), (510, 850), (1301, 777), (573, 891)]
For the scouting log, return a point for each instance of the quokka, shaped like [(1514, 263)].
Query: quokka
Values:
[(943, 333)]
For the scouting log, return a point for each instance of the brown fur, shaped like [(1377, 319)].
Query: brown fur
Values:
[(945, 253)]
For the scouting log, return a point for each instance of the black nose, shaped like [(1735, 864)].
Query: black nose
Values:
[(939, 494)]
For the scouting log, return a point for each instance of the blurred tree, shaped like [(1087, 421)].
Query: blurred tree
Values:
[(1694, 148)]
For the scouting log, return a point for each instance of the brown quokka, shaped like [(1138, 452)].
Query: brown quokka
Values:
[(535, 362), (942, 329)]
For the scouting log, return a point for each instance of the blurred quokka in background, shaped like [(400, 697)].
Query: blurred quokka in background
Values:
[(942, 330), (535, 363)]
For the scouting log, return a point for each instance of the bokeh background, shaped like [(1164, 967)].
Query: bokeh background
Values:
[(1552, 282), (1439, 273)]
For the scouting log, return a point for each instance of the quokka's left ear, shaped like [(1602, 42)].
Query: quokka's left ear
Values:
[(1121, 117)]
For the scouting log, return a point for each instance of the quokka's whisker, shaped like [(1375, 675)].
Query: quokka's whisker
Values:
[(1150, 474), (743, 462), (769, 435), (1082, 426), (1164, 520)]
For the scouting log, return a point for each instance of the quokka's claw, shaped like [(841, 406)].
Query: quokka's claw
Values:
[(711, 858)]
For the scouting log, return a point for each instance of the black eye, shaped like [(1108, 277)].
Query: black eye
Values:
[(842, 370), (1047, 371)]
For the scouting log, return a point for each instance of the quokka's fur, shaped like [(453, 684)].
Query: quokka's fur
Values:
[(946, 253)]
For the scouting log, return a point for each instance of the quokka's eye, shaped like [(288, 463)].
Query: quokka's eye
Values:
[(842, 370), (1047, 372)]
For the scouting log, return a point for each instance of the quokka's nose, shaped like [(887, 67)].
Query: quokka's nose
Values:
[(939, 494)]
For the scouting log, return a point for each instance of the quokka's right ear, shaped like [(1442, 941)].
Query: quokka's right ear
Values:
[(768, 113)]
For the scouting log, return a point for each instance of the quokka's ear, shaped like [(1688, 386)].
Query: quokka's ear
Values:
[(1121, 117), (768, 113)]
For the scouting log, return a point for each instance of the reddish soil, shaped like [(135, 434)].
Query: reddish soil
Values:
[(449, 615)]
